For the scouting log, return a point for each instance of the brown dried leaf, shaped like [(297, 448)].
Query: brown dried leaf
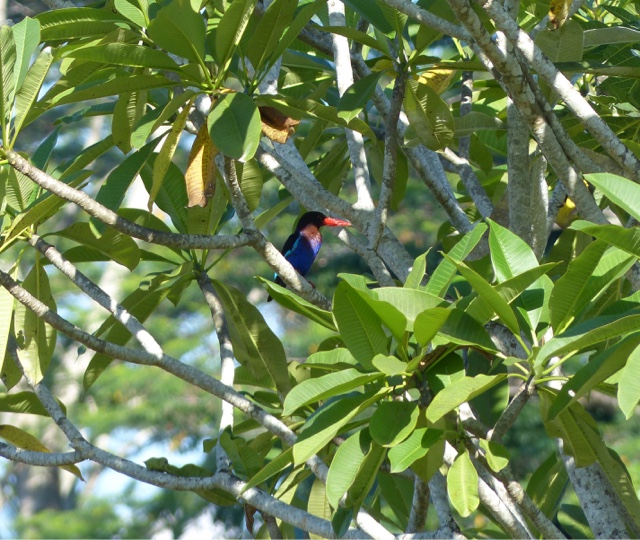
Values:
[(276, 125), (200, 177)]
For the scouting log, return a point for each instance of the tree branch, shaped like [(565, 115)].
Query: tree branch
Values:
[(108, 217), (419, 507)]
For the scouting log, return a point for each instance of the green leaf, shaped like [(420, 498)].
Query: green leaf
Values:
[(629, 384), (292, 301), (6, 317), (229, 32), (254, 343), (463, 329), (414, 279), (358, 36), (488, 294), (113, 190), (357, 96), (26, 35), (172, 197), (132, 12), (586, 278), (268, 32), (7, 78), (299, 22), (443, 275), (126, 54), (164, 157), (366, 476), (359, 326), (281, 462), (429, 322), (179, 29), (72, 23), (409, 302), (562, 44), (22, 439), (459, 392), (414, 447), (429, 116), (393, 422), (585, 335), (510, 254), (346, 464), (390, 316), (36, 339), (119, 247), (234, 126), (497, 455), (389, 365), (330, 385), (462, 485), (24, 403), (619, 190), (547, 485), (119, 85), (626, 239), (30, 87), (327, 422), (251, 182), (375, 12)]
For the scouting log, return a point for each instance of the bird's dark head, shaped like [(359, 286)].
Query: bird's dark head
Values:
[(319, 219)]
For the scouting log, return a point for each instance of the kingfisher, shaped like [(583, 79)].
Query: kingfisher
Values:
[(302, 247)]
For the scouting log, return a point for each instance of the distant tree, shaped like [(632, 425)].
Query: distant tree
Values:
[(512, 116)]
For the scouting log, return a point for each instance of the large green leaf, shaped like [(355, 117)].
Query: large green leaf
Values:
[(24, 403), (359, 326), (35, 338), (629, 384), (547, 485), (268, 31), (117, 246), (119, 85), (375, 12), (179, 29), (270, 469), (30, 87), (367, 474), (234, 125), (626, 239), (71, 23), (462, 485), (418, 269), (429, 322), (487, 293), (346, 465), (409, 302), (229, 31), (429, 116), (7, 79), (126, 54), (357, 95), (172, 196), (459, 392), (562, 44), (26, 35), (393, 422), (446, 270), (292, 301), (6, 317), (588, 334), (414, 447), (587, 277), (327, 386), (463, 329), (254, 343), (619, 190), (510, 254), (327, 422)]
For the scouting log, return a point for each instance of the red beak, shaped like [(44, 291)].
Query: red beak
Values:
[(334, 222)]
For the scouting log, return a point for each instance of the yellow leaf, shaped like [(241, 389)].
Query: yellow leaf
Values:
[(200, 177), (437, 79)]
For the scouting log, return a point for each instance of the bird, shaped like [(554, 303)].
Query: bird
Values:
[(303, 245)]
